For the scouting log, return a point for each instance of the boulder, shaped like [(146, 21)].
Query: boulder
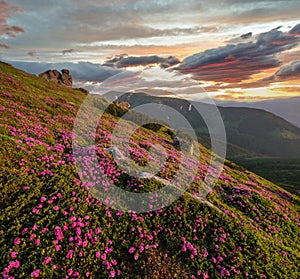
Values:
[(65, 71), (51, 75), (63, 78), (115, 151), (123, 105), (66, 78)]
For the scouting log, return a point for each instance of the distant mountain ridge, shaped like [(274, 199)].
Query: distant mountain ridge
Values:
[(253, 131), (287, 108)]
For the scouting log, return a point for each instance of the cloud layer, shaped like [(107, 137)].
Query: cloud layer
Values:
[(238, 62), (123, 61), (53, 25)]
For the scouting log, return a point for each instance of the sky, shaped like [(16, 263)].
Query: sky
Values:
[(241, 50)]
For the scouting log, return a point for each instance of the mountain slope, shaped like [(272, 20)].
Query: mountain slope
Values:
[(251, 130), (261, 132), (287, 108), (51, 227)]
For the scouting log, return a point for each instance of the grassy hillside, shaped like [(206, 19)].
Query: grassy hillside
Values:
[(51, 227), (286, 172)]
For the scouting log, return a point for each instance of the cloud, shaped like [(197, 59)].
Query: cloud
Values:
[(68, 51), (287, 57), (5, 11), (123, 61), (128, 29), (32, 53), (4, 46), (76, 24), (156, 81), (70, 24), (246, 36), (73, 22), (241, 96), (295, 30), (101, 28), (82, 71), (254, 11), (238, 62), (277, 28), (287, 72)]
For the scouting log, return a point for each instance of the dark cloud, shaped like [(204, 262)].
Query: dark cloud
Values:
[(284, 73), (32, 53), (287, 72), (295, 30), (123, 61), (238, 62), (246, 36), (68, 51), (82, 71), (277, 28), (6, 9)]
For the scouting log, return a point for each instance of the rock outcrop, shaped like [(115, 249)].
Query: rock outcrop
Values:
[(63, 78), (123, 105)]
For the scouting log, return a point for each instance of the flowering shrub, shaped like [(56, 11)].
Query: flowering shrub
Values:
[(51, 226)]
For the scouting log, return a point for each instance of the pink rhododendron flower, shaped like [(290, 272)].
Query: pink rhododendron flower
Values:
[(47, 260), (70, 254), (131, 250), (112, 274), (58, 233), (57, 247), (17, 241), (14, 254), (35, 274)]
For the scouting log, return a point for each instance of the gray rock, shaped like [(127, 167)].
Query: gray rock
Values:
[(63, 78), (116, 153), (145, 175)]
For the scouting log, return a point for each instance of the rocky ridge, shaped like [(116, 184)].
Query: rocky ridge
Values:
[(63, 78)]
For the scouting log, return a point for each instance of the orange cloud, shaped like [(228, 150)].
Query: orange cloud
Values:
[(239, 62)]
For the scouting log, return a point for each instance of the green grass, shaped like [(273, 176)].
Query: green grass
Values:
[(284, 172)]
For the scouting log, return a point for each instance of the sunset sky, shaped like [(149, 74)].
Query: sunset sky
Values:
[(234, 49)]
